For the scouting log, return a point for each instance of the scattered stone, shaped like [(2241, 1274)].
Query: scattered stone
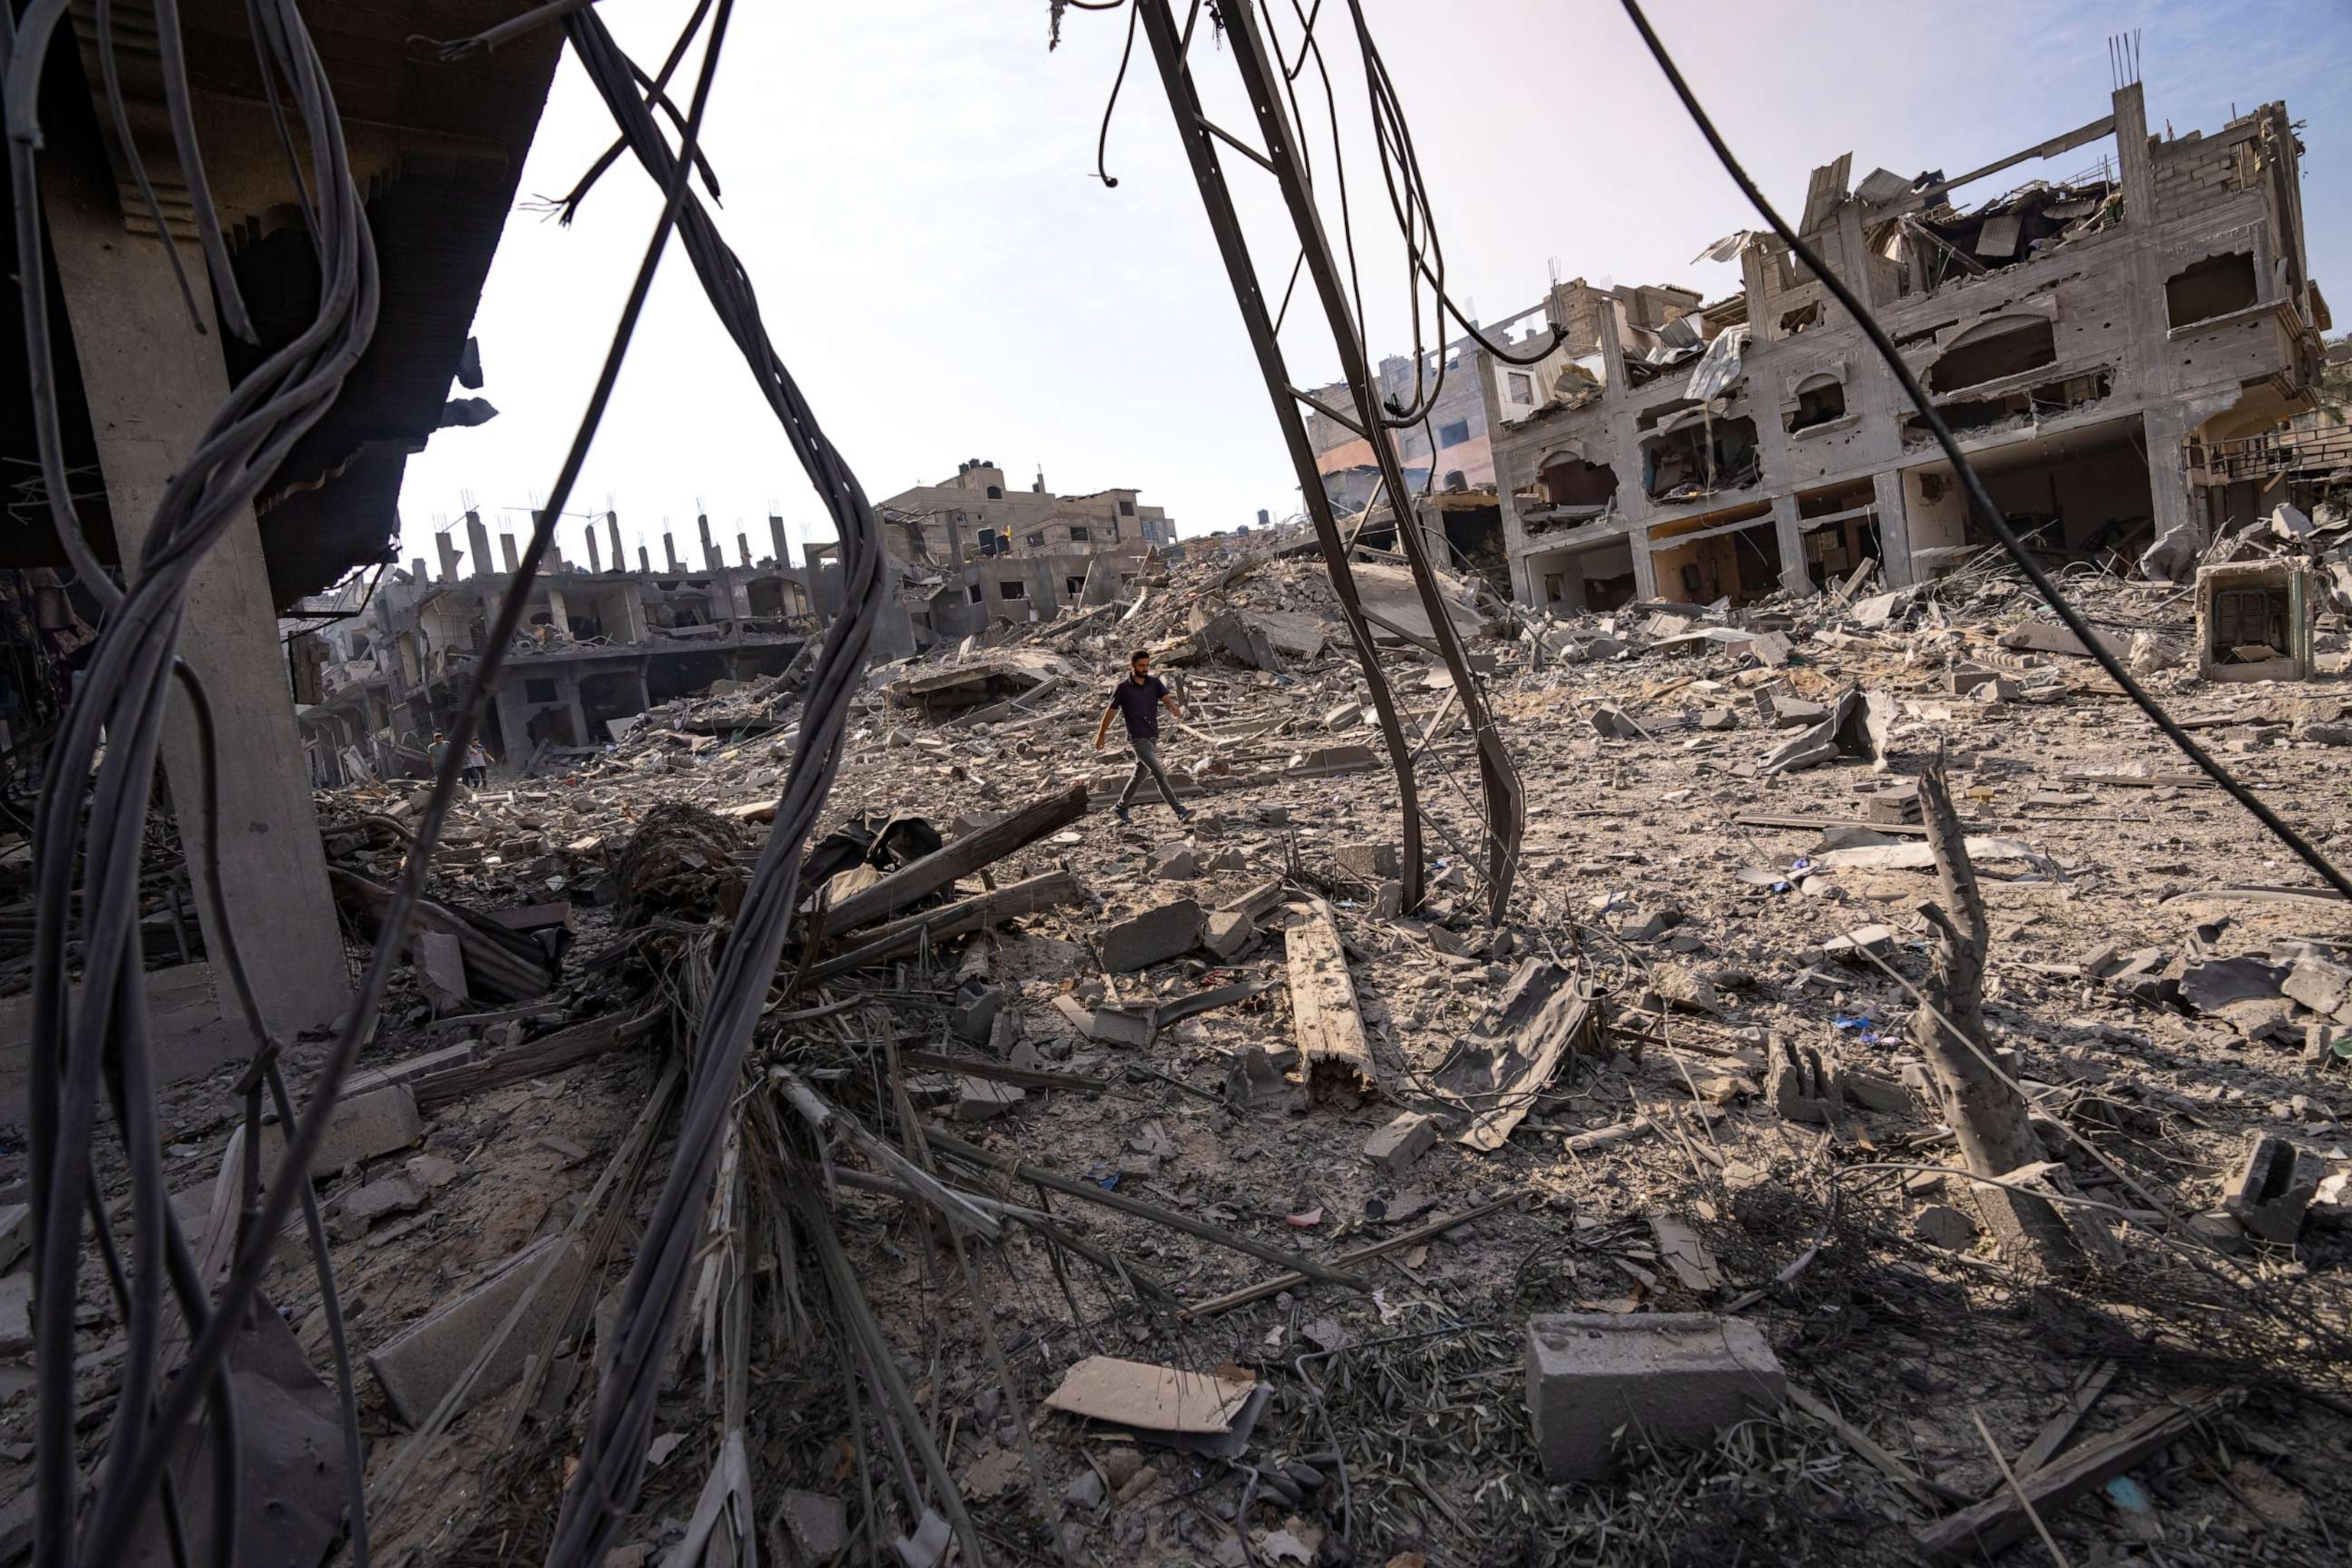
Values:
[(2273, 1188), (980, 1099), (1404, 1141), (361, 1127), (1940, 1224), (1175, 863), (1153, 937)]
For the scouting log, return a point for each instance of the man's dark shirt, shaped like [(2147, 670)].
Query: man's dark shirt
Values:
[(1138, 702)]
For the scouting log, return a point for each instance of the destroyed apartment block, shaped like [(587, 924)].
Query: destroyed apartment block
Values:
[(2104, 346)]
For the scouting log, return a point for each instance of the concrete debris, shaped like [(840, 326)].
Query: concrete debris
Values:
[(2273, 1188), (1404, 1141)]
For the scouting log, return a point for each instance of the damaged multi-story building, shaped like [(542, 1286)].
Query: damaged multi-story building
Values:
[(379, 667), (970, 551), (2095, 341)]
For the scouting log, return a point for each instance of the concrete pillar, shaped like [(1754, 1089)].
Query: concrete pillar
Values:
[(511, 721), (477, 546), (558, 613), (152, 387), (711, 560), (1612, 347), (612, 538), (2166, 427), (553, 559), (507, 554), (568, 687), (645, 562), (449, 549), (2139, 168), (1787, 529), (776, 533), (632, 607), (1893, 527), (595, 561), (669, 549), (743, 547), (417, 569), (1645, 573)]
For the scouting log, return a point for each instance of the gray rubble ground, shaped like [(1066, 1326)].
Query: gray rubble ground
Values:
[(1709, 939)]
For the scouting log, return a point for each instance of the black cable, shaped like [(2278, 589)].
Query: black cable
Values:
[(1102, 137), (612, 1455), (1980, 501)]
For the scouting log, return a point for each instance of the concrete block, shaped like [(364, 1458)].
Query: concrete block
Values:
[(1402, 1142), (980, 1099), (1153, 937), (363, 1126), (1676, 1377), (393, 1195), (2273, 1188), (419, 1365), (1226, 932), (1346, 716), (972, 1017), (440, 964), (1793, 713), (1175, 863), (2322, 986)]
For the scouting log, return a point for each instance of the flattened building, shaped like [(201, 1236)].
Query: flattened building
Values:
[(2091, 340)]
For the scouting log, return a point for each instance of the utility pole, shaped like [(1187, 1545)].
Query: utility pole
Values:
[(1506, 802)]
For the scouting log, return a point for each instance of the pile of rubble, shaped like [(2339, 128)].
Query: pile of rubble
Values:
[(1163, 1192)]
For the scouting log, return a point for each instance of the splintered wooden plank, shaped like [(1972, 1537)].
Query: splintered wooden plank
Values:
[(1335, 1056)]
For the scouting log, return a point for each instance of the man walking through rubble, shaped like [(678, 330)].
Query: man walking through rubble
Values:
[(1138, 698)]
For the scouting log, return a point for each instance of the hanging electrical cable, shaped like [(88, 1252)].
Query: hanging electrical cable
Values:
[(1980, 503)]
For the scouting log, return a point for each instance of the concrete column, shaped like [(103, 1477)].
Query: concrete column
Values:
[(1645, 573), (595, 561), (645, 562), (507, 554), (669, 549), (633, 605), (477, 546), (743, 548), (1760, 328), (512, 720), (711, 560), (417, 569), (776, 533), (557, 610), (1791, 535), (2131, 152), (567, 687), (1612, 347), (2168, 469), (152, 387), (552, 561), (449, 549), (1893, 527)]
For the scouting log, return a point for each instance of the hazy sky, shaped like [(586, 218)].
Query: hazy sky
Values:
[(910, 185)]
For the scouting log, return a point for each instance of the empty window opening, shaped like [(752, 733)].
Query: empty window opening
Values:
[(1820, 400), (1453, 435), (1699, 459), (1804, 316), (1074, 586), (974, 590), (2000, 350), (2213, 286), (539, 691), (1523, 387), (1013, 590), (996, 492), (1037, 542), (1079, 534), (1126, 509), (1572, 482)]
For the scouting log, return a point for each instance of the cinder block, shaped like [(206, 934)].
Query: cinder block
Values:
[(1370, 862), (1676, 1377), (363, 1126), (1402, 1142), (1153, 937), (419, 1365), (2273, 1189)]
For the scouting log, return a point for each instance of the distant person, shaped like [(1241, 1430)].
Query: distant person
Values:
[(436, 753), (477, 763), (1137, 698)]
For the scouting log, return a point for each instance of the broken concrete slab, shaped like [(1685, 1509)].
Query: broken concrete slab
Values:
[(1397, 1145), (364, 1207), (1669, 1377), (361, 1127), (2324, 987), (1226, 932), (1371, 862), (981, 1100), (418, 1365), (1174, 863), (1153, 937)]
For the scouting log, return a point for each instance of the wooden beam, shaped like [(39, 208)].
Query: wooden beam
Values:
[(1023, 897), (1337, 1061), (1987, 1527), (912, 883)]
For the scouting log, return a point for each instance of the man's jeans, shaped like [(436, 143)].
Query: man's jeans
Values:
[(1147, 766)]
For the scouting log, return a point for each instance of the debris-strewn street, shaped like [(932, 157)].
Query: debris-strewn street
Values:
[(1030, 1185)]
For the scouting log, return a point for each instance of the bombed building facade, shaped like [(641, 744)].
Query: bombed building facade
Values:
[(970, 553), (379, 668), (2106, 346)]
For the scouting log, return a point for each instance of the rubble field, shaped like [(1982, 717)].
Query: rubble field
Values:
[(1167, 1192)]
